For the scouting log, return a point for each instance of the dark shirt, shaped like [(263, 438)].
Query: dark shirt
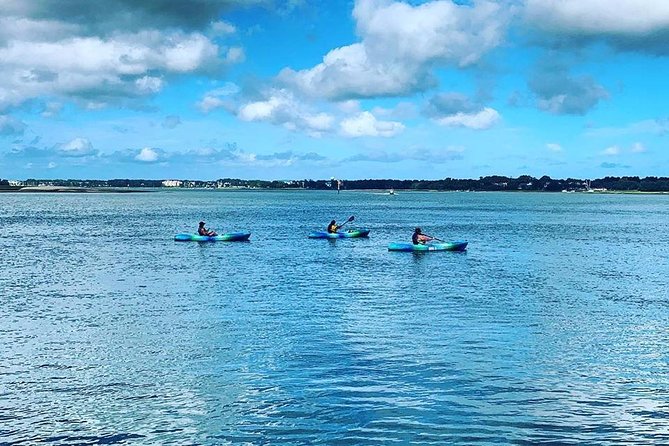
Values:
[(414, 238)]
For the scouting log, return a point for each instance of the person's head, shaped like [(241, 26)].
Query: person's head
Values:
[(201, 223), (417, 231), (333, 222)]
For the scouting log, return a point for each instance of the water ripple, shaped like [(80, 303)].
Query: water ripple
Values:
[(551, 329)]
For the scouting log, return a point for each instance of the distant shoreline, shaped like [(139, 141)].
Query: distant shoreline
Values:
[(130, 190), (73, 190)]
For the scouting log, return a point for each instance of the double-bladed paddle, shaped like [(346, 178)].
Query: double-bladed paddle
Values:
[(351, 218)]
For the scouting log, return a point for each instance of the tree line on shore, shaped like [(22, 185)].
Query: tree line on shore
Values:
[(487, 183)]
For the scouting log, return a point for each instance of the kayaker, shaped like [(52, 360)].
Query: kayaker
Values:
[(201, 230), (332, 227), (418, 238)]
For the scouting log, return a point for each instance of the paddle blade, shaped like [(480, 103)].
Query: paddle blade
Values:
[(351, 218)]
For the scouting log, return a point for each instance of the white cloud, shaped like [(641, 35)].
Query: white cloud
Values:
[(97, 69), (400, 46), (611, 151), (554, 147), (282, 108), (481, 120), (366, 124), (147, 155), (149, 84), (218, 98), (261, 110), (76, 147)]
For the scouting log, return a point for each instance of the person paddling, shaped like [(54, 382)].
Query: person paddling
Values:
[(418, 238), (333, 228), (201, 230)]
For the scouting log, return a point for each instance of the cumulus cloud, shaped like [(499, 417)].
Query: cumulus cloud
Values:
[(100, 55), (147, 155), (280, 107), (554, 147), (10, 126), (400, 46), (481, 120), (637, 25), (77, 147), (559, 93), (100, 70), (458, 110), (366, 124)]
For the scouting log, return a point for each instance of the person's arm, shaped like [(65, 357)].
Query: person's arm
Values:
[(424, 238)]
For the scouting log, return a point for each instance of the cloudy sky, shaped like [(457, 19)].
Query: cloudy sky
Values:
[(293, 89)]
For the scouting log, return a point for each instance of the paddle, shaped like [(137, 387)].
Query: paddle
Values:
[(351, 218)]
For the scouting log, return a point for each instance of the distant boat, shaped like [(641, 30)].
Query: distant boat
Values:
[(391, 192)]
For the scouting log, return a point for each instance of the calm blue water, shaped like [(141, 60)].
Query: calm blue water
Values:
[(552, 329)]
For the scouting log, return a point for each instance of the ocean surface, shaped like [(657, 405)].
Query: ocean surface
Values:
[(553, 328)]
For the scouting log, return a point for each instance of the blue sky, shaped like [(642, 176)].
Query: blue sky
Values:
[(293, 89)]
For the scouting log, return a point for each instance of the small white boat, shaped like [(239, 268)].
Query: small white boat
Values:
[(391, 192)]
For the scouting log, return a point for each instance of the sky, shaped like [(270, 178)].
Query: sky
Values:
[(306, 89)]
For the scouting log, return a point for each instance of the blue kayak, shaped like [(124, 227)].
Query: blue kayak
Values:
[(227, 237), (353, 233), (444, 246)]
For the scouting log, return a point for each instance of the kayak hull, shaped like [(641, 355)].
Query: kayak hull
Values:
[(227, 237), (445, 246), (354, 233)]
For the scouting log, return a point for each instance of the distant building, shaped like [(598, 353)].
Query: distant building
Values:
[(172, 183)]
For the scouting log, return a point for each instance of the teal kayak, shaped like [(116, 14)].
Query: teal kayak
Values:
[(353, 233), (445, 246), (227, 237)]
